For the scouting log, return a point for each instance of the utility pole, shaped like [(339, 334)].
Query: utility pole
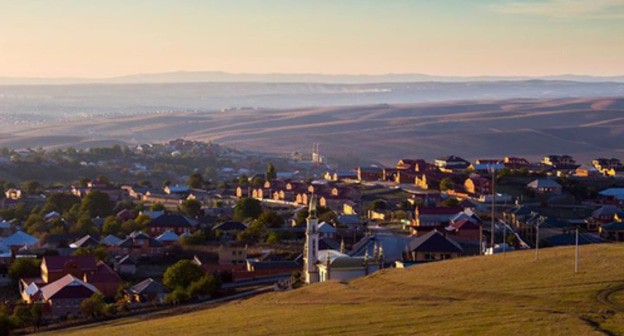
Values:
[(537, 234), (576, 259), (493, 233), (481, 250)]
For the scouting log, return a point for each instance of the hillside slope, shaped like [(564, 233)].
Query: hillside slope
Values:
[(584, 128), (504, 295)]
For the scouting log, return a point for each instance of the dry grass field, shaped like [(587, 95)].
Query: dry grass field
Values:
[(508, 294)]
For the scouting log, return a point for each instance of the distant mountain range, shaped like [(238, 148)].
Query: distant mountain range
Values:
[(225, 77)]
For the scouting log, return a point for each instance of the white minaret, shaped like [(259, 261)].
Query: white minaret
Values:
[(310, 252)]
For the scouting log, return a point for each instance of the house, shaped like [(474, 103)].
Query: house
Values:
[(486, 167), (170, 222), (477, 185), (270, 267), (433, 246), (607, 213), (126, 265), (177, 190), (612, 231), (545, 186), (86, 241), (56, 267), (603, 165), (20, 239), (232, 254), (369, 173), (351, 221), (326, 230), (125, 215), (350, 207), (139, 245), (515, 162), (391, 246), (451, 162), (430, 180), (617, 172), (333, 265), (111, 240), (65, 295), (586, 171), (148, 290), (464, 231), (13, 194), (104, 279), (231, 228), (6, 255), (429, 218), (340, 175), (559, 161), (616, 194), (168, 238), (6, 227)]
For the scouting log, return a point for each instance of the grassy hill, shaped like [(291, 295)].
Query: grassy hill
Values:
[(504, 295)]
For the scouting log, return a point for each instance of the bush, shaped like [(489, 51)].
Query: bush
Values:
[(206, 285), (93, 307), (24, 268), (182, 274), (177, 296), (196, 238)]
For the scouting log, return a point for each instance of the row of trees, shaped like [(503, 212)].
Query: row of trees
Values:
[(22, 316)]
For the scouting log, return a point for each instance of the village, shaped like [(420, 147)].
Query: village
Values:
[(103, 247)]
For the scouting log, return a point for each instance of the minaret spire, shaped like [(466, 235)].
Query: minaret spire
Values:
[(310, 253)]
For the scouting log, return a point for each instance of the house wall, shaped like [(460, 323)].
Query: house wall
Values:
[(62, 307), (431, 256)]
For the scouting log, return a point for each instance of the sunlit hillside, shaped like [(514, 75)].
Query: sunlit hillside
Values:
[(501, 295)]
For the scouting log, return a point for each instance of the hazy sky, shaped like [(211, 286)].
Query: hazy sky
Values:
[(95, 38)]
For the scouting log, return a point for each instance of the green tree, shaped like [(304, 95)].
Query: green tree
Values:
[(446, 184), (99, 252), (243, 180), (196, 238), (255, 233), (32, 187), (60, 202), (450, 202), (270, 219), (84, 225), (191, 208), (379, 205), (22, 316), (257, 181), (96, 204), (271, 174), (195, 180), (179, 295), (206, 285), (36, 312), (24, 268), (273, 238), (157, 207), (6, 324), (182, 274), (112, 225), (35, 224), (247, 208), (93, 307)]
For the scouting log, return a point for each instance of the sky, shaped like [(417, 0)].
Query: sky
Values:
[(95, 39)]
